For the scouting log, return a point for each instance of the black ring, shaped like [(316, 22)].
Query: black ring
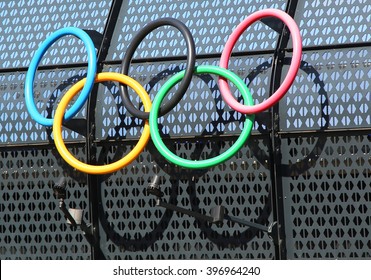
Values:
[(183, 86)]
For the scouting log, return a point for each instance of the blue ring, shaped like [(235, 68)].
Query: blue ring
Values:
[(91, 72)]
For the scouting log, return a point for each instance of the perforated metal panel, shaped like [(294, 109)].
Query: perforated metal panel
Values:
[(333, 22), (202, 110), (136, 229), (32, 226), (327, 190), (210, 22), (25, 24), (306, 166), (332, 90), (16, 125)]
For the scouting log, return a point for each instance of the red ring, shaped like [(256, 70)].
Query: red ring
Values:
[(291, 74)]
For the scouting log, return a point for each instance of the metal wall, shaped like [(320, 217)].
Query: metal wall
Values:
[(306, 166)]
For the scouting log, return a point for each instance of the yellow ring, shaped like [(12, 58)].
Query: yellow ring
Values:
[(58, 118)]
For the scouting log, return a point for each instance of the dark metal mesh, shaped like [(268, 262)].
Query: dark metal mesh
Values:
[(32, 226), (209, 22), (331, 91), (318, 186), (202, 110), (16, 125), (24, 25), (135, 228), (331, 23), (328, 195)]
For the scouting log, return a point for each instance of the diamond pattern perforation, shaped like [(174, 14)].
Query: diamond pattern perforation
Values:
[(32, 226), (332, 90), (325, 175), (210, 22), (333, 22), (25, 25), (202, 110), (137, 229), (16, 125), (327, 209)]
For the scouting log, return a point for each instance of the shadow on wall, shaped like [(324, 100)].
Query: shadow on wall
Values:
[(224, 240)]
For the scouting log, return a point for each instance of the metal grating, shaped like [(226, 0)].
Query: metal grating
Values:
[(202, 110), (318, 186), (210, 22), (25, 24), (333, 22), (328, 195), (332, 90), (32, 226), (135, 228), (16, 125)]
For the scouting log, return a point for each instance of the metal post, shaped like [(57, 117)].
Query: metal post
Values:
[(91, 148), (275, 139)]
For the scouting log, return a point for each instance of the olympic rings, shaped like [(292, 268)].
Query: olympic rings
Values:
[(30, 77), (293, 69), (151, 115), (191, 59), (112, 167), (155, 134)]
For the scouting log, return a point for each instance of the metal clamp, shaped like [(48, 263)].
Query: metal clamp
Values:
[(217, 213), (74, 216)]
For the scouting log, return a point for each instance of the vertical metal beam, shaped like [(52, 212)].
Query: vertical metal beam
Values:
[(91, 148), (275, 139)]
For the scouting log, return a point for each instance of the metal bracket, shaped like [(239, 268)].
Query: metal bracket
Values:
[(217, 213), (77, 125), (59, 191), (95, 36), (274, 23)]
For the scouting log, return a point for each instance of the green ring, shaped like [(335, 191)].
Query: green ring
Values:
[(200, 164)]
